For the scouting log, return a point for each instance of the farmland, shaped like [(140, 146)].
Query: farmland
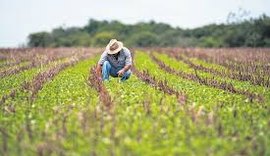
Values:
[(178, 101)]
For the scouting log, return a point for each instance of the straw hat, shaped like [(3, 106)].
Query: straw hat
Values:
[(114, 46)]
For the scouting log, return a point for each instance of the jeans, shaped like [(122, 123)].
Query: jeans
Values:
[(108, 70)]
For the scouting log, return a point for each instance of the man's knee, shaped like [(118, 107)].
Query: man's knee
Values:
[(106, 64), (128, 73)]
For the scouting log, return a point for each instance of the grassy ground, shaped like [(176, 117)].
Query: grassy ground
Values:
[(67, 116)]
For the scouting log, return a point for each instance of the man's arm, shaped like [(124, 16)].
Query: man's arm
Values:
[(123, 70), (128, 63)]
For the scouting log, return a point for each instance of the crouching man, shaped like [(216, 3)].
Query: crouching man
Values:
[(115, 61)]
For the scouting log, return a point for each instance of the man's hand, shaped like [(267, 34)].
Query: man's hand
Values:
[(121, 72)]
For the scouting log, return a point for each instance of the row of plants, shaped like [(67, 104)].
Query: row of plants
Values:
[(65, 109), (205, 70), (236, 119), (37, 83), (176, 64), (11, 84), (146, 119), (137, 104), (17, 65), (96, 82), (105, 117), (255, 56), (37, 60), (242, 64), (13, 57), (14, 82), (208, 81), (160, 85), (57, 121)]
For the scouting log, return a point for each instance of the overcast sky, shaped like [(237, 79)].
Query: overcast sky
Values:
[(19, 18)]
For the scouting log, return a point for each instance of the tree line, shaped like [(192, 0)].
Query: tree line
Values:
[(247, 33)]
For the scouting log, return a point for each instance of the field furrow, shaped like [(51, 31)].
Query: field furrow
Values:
[(160, 85), (257, 74), (14, 82), (208, 81), (140, 110), (155, 71), (50, 123), (240, 85), (37, 60), (96, 82), (177, 101), (229, 109), (4, 65)]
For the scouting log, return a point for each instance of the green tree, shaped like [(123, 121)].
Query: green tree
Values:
[(210, 42), (248, 32), (102, 38), (41, 39), (143, 39)]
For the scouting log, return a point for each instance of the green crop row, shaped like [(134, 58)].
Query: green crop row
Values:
[(143, 118), (15, 81), (203, 94), (3, 63), (236, 120), (241, 85), (67, 116), (252, 72), (58, 121), (7, 67)]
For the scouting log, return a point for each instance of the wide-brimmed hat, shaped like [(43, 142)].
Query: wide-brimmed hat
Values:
[(114, 46)]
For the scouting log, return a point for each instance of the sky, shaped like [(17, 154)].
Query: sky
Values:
[(19, 18)]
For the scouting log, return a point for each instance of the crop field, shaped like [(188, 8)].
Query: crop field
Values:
[(178, 101)]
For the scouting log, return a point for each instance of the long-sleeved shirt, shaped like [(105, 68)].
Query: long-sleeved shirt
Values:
[(124, 58)]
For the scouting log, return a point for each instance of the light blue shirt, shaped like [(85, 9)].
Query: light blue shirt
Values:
[(124, 58)]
